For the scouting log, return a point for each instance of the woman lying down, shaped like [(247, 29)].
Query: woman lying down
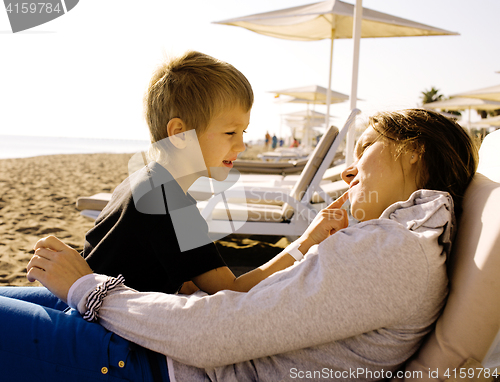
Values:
[(355, 307)]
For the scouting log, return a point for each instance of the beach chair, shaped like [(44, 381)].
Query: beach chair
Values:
[(466, 337), (224, 216), (279, 168)]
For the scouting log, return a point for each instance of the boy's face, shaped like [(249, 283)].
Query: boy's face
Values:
[(222, 141)]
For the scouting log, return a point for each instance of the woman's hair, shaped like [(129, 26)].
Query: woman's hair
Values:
[(447, 155), (194, 87)]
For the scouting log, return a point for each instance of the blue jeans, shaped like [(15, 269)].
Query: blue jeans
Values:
[(42, 339)]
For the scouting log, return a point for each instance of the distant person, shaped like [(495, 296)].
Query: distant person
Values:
[(282, 142), (361, 301), (268, 139), (318, 138), (275, 141), (295, 142)]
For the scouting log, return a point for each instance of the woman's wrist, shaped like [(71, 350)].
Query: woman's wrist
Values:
[(81, 288), (305, 244), (298, 248), (97, 296), (71, 300)]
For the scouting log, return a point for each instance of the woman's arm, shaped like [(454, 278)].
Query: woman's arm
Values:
[(326, 223), (334, 294)]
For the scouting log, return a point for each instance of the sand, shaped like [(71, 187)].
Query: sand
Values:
[(38, 195)]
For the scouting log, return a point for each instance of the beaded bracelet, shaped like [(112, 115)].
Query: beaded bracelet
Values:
[(96, 297)]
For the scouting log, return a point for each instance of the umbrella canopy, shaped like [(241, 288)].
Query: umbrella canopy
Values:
[(444, 114), (329, 19), (302, 124), (491, 121), (312, 94), (459, 103), (307, 101), (491, 93), (306, 117), (333, 19)]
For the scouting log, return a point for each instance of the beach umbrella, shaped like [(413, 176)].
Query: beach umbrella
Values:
[(303, 123), (460, 103), (311, 117), (333, 19), (444, 114), (490, 121), (491, 93), (312, 94)]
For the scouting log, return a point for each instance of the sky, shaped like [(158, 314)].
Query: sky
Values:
[(84, 74)]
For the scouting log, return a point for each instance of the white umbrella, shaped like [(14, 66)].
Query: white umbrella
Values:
[(312, 94), (314, 118), (491, 121), (460, 103), (491, 93), (302, 124), (444, 114), (333, 19)]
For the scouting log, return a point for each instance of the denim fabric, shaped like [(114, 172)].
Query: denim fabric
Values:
[(42, 339)]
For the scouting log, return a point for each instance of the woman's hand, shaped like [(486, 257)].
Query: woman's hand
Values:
[(57, 266), (328, 221)]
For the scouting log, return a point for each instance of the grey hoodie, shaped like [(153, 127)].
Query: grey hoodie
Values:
[(355, 308)]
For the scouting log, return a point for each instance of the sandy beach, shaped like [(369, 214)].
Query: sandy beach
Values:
[(38, 195)]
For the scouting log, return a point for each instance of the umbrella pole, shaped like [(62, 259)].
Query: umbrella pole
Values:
[(469, 124), (329, 87), (356, 36)]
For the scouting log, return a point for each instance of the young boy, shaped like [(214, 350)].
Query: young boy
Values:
[(197, 109)]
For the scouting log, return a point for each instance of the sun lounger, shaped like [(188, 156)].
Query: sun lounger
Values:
[(281, 168), (285, 154)]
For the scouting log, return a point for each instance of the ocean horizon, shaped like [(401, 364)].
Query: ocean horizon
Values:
[(18, 146)]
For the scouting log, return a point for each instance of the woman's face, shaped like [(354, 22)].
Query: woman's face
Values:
[(377, 178)]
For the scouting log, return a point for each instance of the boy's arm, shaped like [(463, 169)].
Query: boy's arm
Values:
[(222, 278), (327, 222)]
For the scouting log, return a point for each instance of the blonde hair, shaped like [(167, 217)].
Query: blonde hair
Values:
[(194, 87)]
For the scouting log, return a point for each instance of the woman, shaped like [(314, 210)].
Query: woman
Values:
[(355, 308)]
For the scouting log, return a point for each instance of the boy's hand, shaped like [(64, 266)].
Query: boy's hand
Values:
[(328, 221), (57, 266)]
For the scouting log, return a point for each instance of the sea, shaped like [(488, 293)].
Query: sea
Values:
[(17, 146)]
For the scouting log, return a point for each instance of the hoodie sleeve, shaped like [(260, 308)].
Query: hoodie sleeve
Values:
[(360, 279)]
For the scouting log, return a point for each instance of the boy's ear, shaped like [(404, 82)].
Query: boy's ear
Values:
[(176, 129)]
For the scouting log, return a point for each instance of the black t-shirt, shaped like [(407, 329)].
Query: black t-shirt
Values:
[(152, 233)]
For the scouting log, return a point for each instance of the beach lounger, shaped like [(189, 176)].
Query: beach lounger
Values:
[(466, 338), (290, 219), (261, 167), (294, 153)]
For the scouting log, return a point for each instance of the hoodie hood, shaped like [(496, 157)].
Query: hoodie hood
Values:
[(426, 211)]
